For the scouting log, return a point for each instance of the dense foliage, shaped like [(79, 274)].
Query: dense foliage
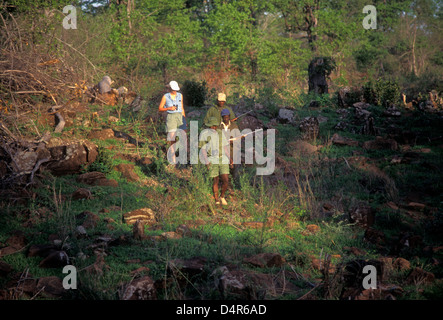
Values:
[(243, 45)]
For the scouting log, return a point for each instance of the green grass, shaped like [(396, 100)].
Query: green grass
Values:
[(222, 235)]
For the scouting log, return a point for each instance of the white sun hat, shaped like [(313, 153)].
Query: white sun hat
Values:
[(174, 85)]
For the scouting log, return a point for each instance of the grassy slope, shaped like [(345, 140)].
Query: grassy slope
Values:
[(223, 235)]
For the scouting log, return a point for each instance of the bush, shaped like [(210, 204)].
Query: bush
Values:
[(382, 92), (195, 93)]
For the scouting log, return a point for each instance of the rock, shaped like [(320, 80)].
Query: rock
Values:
[(419, 276), (41, 250), (89, 219), (22, 283), (263, 260), (101, 134), (17, 240), (401, 264), (249, 285), (95, 178), (80, 232), (383, 292), (309, 128), (113, 119), (170, 235), (380, 143), (127, 171), (285, 116), (311, 229), (23, 161), (339, 140), (361, 105), (56, 259), (145, 215), (392, 111), (362, 215), (374, 236), (82, 193), (51, 287), (362, 114), (142, 288), (352, 276), (138, 230), (341, 125), (343, 97), (301, 147), (71, 157), (188, 267), (5, 269)]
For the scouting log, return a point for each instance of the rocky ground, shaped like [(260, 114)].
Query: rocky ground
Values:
[(394, 154)]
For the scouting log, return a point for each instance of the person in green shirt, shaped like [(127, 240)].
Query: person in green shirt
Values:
[(214, 143), (215, 111)]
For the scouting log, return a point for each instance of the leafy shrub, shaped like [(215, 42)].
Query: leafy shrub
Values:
[(195, 93), (382, 92)]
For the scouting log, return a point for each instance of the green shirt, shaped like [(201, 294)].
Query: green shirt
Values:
[(215, 111), (214, 142)]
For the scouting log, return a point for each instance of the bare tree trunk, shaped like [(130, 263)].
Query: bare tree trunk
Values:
[(414, 63)]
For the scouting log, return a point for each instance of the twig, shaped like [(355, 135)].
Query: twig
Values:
[(303, 296), (36, 167), (347, 163), (95, 69)]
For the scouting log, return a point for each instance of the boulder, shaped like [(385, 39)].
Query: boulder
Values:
[(188, 267), (70, 157), (145, 215), (95, 178), (81, 193), (380, 143), (362, 215), (101, 134), (5, 269), (301, 147), (142, 288), (401, 264), (127, 171), (342, 141), (285, 116), (420, 276), (56, 259), (309, 128), (51, 287), (138, 230)]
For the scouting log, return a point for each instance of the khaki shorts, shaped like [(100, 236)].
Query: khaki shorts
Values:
[(174, 121), (216, 170)]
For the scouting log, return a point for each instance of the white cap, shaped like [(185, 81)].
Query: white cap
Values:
[(174, 85), (221, 97)]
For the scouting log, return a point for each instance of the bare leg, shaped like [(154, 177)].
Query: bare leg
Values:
[(225, 184), (215, 188)]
